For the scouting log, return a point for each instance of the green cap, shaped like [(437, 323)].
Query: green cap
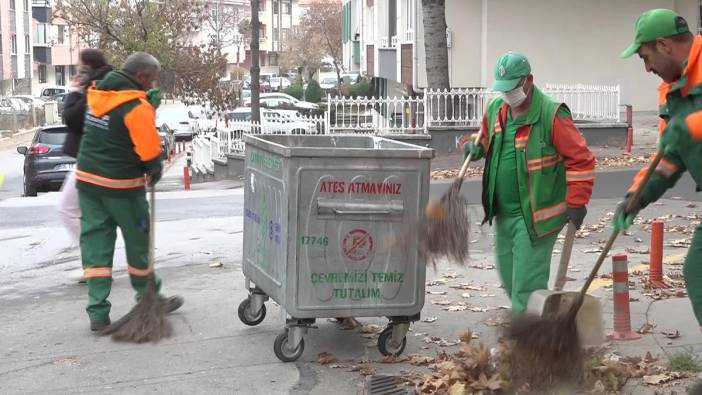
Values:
[(654, 24), (509, 70)]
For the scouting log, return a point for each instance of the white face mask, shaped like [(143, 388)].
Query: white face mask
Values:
[(515, 97)]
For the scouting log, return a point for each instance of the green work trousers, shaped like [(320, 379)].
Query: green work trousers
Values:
[(523, 265), (692, 270), (100, 218)]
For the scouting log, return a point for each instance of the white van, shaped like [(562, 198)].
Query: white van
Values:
[(48, 92)]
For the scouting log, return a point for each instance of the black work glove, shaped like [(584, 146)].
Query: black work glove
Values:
[(155, 177), (576, 215)]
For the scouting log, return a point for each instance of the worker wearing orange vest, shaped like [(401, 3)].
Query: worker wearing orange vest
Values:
[(538, 175), (664, 42)]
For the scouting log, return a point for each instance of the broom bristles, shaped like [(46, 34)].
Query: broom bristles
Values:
[(546, 349), (445, 229), (145, 322)]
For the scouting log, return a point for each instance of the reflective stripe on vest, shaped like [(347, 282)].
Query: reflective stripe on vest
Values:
[(113, 183), (543, 162), (550, 212)]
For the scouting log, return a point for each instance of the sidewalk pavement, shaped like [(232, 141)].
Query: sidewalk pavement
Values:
[(174, 180), (46, 346)]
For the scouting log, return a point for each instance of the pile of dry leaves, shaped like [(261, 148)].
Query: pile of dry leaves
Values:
[(442, 174)]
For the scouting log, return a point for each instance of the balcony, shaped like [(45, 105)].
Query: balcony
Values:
[(42, 54), (41, 13), (384, 42), (393, 42)]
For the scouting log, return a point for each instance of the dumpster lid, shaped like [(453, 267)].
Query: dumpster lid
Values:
[(366, 146)]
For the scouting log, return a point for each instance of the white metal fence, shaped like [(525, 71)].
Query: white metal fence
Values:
[(588, 102), (447, 109)]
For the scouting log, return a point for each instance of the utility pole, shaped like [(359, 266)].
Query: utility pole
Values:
[(255, 68)]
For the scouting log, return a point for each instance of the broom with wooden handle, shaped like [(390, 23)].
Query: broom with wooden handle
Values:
[(446, 226), (550, 343), (147, 321)]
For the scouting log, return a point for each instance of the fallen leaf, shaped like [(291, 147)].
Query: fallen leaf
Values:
[(371, 328), (441, 302), (656, 379), (429, 319), (465, 295), (325, 358), (671, 334), (216, 264), (645, 328), (336, 366), (458, 389), (394, 359), (436, 292), (456, 308), (419, 360)]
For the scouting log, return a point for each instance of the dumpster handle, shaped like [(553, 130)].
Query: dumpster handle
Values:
[(361, 212)]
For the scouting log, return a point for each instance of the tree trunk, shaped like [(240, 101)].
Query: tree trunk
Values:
[(255, 69), (436, 55), (435, 47)]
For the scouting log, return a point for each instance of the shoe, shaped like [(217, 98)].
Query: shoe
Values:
[(97, 326), (172, 303)]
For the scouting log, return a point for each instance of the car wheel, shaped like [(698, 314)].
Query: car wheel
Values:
[(29, 189)]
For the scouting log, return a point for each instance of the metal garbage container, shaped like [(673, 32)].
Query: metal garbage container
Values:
[(330, 230)]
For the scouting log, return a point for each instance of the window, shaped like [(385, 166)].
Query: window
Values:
[(40, 34), (262, 59), (392, 18), (72, 71), (0, 43), (12, 4), (13, 44), (61, 33), (272, 59), (26, 5), (41, 72), (275, 6), (27, 45), (60, 75), (286, 35), (287, 8)]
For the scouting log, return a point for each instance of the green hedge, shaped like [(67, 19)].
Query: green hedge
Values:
[(295, 91), (314, 92)]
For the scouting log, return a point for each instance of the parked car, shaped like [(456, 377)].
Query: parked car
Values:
[(328, 84), (49, 92), (60, 100), (275, 122), (279, 83), (351, 78), (10, 106), (45, 164), (178, 120), (283, 101), (33, 102), (202, 118), (168, 146)]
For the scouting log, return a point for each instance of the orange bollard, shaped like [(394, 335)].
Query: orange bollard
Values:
[(655, 273), (629, 140), (186, 177), (622, 314)]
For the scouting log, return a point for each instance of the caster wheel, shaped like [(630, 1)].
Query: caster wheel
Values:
[(245, 315), (282, 349), (385, 345)]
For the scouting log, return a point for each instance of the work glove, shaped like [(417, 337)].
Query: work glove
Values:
[(576, 215), (471, 148), (623, 220), (153, 95), (154, 177)]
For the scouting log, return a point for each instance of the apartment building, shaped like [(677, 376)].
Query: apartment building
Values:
[(15, 47), (277, 18), (56, 48), (567, 41)]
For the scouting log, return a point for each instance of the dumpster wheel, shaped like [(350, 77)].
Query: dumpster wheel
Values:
[(247, 317), (385, 345), (283, 351)]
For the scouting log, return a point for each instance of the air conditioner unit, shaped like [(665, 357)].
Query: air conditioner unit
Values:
[(448, 38)]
